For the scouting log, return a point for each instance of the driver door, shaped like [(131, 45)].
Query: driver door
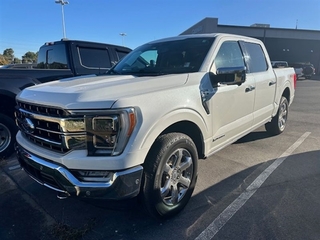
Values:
[(231, 106)]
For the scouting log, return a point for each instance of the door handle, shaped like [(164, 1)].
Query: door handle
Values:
[(250, 88), (272, 83)]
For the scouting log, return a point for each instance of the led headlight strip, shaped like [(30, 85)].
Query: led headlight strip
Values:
[(109, 132)]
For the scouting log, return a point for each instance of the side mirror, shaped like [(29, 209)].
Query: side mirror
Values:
[(229, 76)]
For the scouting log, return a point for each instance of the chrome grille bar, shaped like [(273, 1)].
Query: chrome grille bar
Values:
[(51, 128)]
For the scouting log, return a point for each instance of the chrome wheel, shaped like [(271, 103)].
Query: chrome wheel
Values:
[(170, 175), (176, 176), (283, 114), (5, 137), (279, 122), (8, 129)]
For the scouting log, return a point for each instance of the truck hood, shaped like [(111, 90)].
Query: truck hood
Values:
[(92, 92)]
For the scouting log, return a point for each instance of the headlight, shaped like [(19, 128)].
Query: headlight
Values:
[(109, 134)]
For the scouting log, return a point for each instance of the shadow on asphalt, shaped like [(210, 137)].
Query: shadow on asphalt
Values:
[(254, 136), (97, 219)]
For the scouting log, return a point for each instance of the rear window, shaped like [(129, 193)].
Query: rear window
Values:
[(52, 57)]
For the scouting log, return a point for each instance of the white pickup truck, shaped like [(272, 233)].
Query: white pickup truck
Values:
[(140, 129)]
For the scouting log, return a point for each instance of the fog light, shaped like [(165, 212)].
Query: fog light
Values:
[(94, 176)]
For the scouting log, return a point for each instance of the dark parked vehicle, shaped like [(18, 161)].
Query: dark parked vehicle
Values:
[(279, 64), (308, 69), (56, 60)]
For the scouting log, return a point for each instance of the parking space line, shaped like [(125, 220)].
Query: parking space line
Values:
[(227, 214)]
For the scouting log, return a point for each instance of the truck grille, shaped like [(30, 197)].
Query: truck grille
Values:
[(52, 128), (43, 110)]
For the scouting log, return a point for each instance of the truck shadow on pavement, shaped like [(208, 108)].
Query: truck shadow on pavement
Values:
[(254, 136), (31, 211)]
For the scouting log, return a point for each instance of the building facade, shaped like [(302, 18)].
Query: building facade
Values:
[(291, 45)]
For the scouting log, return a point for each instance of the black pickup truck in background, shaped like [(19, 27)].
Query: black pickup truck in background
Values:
[(56, 60)]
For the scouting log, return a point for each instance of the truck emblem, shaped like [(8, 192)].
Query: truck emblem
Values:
[(28, 125)]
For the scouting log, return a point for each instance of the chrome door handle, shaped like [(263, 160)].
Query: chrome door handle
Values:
[(250, 88)]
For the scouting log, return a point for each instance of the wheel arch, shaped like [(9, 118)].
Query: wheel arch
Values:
[(190, 129), (286, 94), (7, 104), (189, 123)]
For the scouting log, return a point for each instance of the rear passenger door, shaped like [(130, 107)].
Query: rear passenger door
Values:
[(265, 81)]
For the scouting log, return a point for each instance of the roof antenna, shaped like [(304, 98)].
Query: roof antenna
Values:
[(297, 24)]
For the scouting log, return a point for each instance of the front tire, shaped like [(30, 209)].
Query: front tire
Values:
[(8, 130), (279, 121), (170, 175)]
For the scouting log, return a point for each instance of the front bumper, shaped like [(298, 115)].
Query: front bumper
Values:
[(124, 184)]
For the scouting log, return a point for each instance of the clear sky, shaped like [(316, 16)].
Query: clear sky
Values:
[(25, 25)]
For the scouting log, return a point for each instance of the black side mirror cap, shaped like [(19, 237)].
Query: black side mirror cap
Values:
[(229, 76)]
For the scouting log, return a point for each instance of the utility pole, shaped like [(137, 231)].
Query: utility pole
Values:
[(62, 2)]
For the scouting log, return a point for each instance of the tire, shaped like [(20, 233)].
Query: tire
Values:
[(170, 175), (8, 130), (279, 121), (308, 70)]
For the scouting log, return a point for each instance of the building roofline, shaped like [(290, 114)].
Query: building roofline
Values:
[(271, 28)]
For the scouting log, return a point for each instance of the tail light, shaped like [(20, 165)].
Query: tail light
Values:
[(294, 80)]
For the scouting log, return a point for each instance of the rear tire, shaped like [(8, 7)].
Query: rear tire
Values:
[(8, 130), (170, 175), (279, 121)]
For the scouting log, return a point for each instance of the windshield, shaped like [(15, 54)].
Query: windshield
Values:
[(170, 57)]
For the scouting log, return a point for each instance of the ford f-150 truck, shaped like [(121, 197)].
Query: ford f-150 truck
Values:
[(56, 60), (140, 129)]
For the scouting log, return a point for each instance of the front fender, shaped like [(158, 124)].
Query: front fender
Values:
[(171, 118)]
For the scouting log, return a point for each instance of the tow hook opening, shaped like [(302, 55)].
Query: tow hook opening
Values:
[(63, 195)]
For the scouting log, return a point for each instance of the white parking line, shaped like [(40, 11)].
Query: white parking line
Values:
[(227, 214)]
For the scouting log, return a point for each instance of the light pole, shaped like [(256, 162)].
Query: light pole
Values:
[(62, 2), (123, 35)]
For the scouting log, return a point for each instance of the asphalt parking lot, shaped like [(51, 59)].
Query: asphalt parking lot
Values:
[(228, 200)]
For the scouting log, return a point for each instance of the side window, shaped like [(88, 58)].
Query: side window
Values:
[(256, 59), (150, 57), (146, 59), (94, 58), (229, 55)]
